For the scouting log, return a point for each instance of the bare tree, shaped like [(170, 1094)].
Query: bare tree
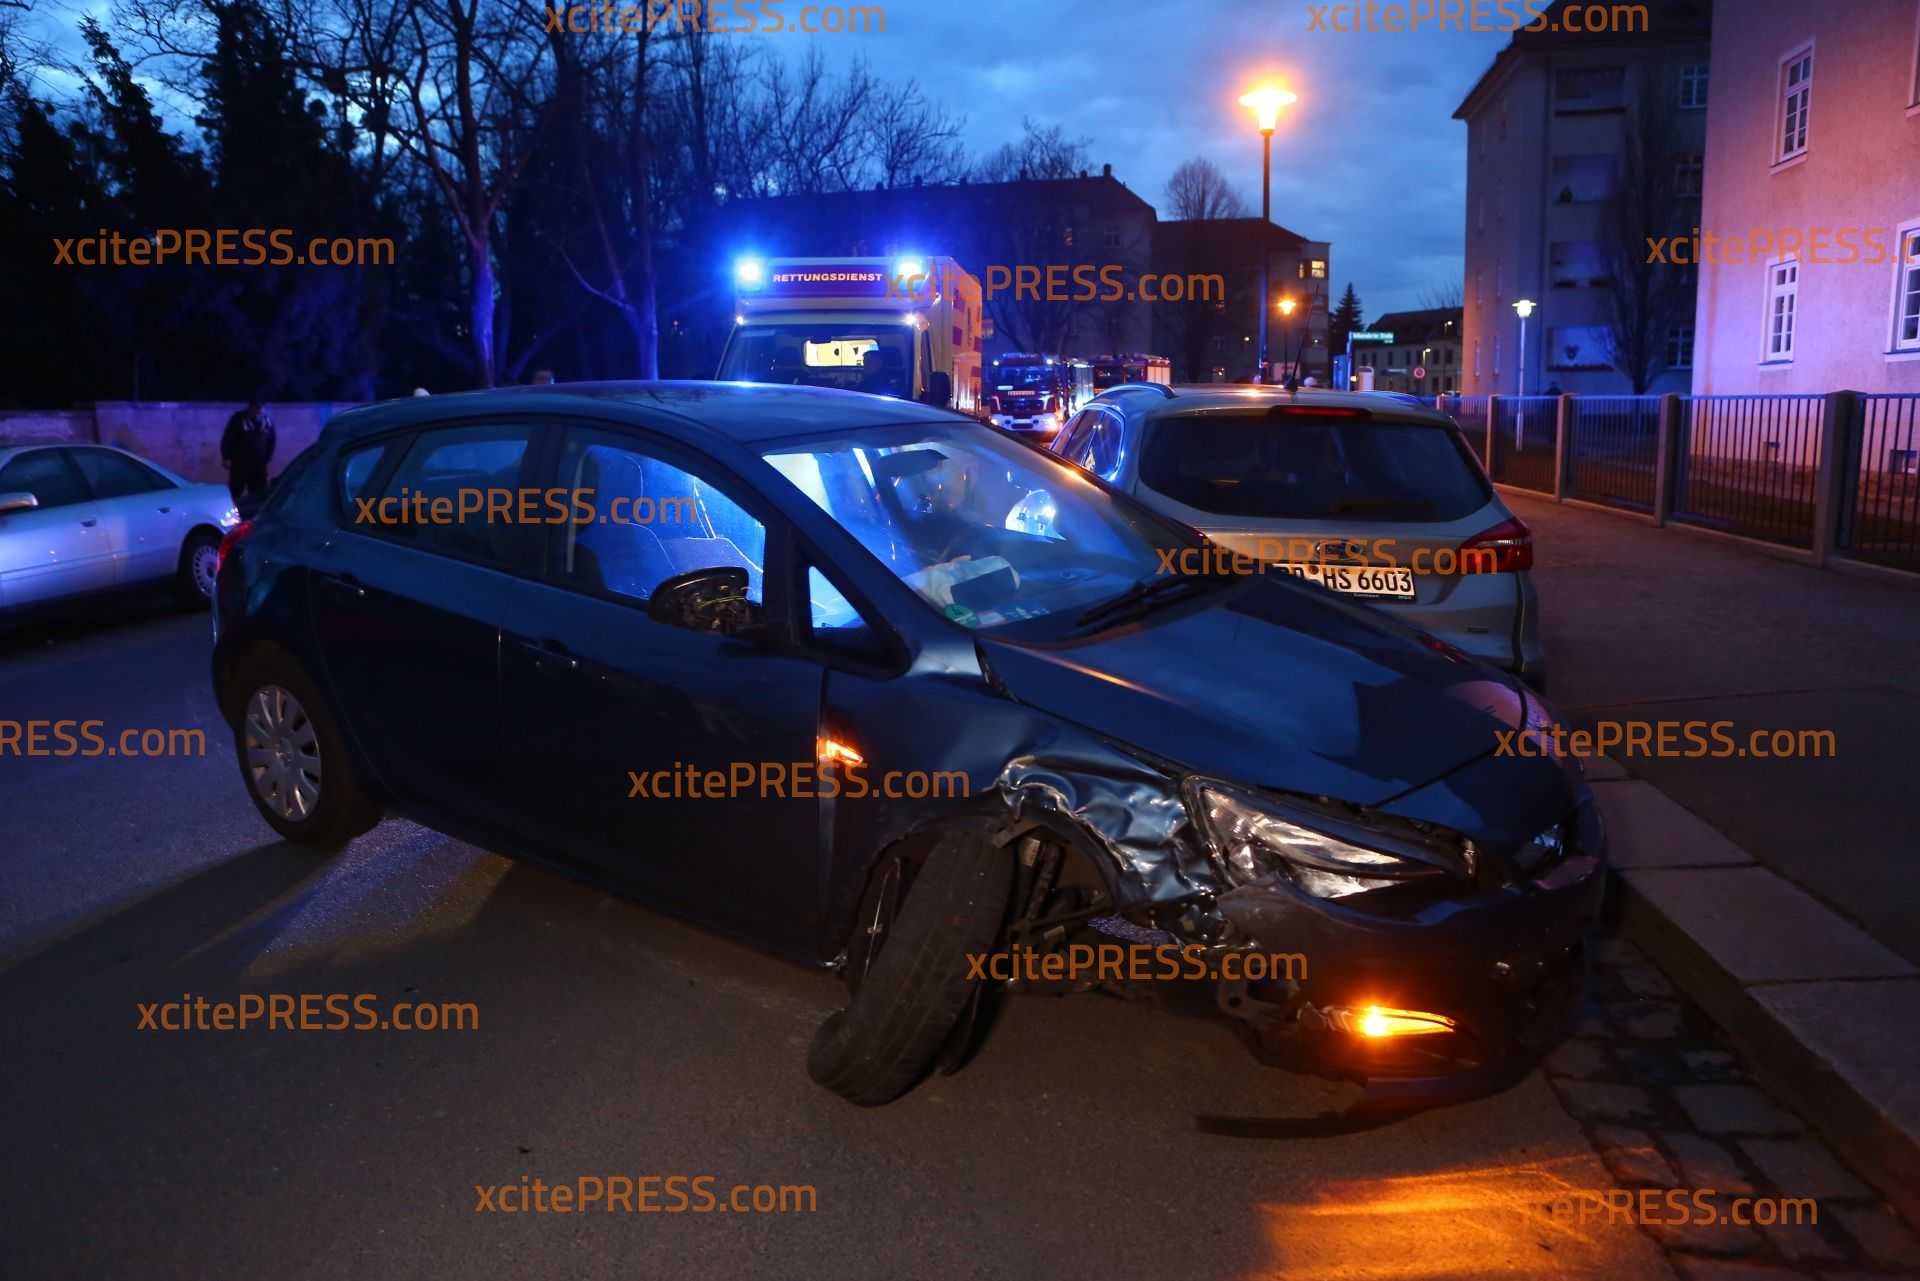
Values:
[(1445, 296), (1648, 297), (1040, 154), (909, 140), (1198, 190)]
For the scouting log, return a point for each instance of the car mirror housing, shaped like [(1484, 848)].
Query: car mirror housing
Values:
[(707, 600)]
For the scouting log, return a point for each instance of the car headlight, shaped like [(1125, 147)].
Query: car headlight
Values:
[(1326, 855)]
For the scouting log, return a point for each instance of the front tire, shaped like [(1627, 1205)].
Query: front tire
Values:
[(293, 758), (916, 988), (199, 557)]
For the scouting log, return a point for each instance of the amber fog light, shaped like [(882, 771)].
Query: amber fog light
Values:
[(1376, 1022)]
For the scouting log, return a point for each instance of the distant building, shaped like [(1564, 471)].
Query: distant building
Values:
[(1425, 343), (1219, 340), (1814, 127), (1555, 215)]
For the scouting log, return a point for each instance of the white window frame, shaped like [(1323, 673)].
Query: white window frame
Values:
[(1771, 292), (1673, 332), (1703, 80), (1913, 81), (1908, 348), (1781, 97)]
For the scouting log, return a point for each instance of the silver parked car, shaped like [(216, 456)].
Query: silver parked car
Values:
[(77, 520), (1369, 495)]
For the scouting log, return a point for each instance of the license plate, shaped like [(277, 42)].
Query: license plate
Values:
[(1357, 580)]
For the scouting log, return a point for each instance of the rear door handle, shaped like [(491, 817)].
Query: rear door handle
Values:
[(550, 651), (91, 521), (165, 510), (347, 581)]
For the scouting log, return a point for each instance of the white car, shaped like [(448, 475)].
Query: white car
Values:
[(78, 520)]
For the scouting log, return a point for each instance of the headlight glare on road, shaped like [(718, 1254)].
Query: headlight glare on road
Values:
[(1253, 836)]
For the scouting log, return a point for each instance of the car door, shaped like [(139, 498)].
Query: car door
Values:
[(142, 511), (599, 693), (58, 548), (408, 612)]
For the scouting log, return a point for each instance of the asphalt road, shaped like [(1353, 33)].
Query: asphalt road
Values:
[(613, 1040)]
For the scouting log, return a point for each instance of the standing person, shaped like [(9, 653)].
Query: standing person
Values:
[(246, 447)]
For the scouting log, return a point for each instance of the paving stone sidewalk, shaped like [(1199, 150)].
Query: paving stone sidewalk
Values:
[(1667, 1104)]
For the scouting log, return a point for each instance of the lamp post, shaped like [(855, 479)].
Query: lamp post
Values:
[(1524, 307), (1266, 102), (1286, 310)]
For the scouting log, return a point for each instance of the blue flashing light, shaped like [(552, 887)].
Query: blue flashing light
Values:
[(749, 273)]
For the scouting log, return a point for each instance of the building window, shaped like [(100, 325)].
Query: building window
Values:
[(1796, 103), (1906, 291), (1688, 175), (1903, 462), (1693, 85), (1111, 238), (1318, 268), (1575, 263), (1589, 88), (1783, 295), (1496, 356), (1680, 347), (1578, 347)]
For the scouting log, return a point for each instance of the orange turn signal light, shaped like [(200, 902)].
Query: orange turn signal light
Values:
[(1376, 1021), (830, 751)]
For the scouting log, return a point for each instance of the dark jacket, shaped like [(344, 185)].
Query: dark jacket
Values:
[(248, 439)]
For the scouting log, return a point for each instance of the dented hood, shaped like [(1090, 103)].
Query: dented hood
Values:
[(1277, 685)]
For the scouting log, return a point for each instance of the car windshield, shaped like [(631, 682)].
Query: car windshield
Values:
[(874, 357), (1304, 467), (1010, 377), (986, 530)]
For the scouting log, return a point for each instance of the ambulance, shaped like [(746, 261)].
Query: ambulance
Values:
[(903, 327)]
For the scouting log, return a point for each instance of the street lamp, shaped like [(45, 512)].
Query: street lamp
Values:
[(1286, 306), (1266, 102), (1524, 307)]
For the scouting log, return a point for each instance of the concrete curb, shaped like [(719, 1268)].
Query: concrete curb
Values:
[(1826, 1016)]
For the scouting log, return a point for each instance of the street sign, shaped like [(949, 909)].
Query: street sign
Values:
[(1372, 335), (1419, 373)]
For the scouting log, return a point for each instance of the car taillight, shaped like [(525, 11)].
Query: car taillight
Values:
[(231, 541), (1510, 544)]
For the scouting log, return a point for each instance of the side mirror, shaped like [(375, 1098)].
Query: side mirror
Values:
[(706, 600), (939, 389), (17, 502)]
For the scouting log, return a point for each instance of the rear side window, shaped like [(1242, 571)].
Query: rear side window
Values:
[(1299, 467), (115, 475), (444, 465), (48, 475)]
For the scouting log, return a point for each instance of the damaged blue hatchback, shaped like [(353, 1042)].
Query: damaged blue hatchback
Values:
[(870, 684)]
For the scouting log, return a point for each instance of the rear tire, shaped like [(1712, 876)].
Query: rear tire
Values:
[(293, 758), (193, 581), (907, 1003)]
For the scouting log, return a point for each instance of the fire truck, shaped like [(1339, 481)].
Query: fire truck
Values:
[(1035, 394), (905, 327), (1130, 367)]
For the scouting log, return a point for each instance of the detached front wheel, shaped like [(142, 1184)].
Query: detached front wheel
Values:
[(914, 987)]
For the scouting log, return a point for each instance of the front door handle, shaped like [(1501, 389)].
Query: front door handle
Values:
[(91, 521), (347, 581), (550, 652), (165, 510)]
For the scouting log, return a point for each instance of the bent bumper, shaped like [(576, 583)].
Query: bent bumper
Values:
[(1506, 966)]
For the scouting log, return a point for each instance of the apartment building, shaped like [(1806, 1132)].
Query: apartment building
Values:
[(1813, 170), (1581, 146), (1424, 356), (1218, 340)]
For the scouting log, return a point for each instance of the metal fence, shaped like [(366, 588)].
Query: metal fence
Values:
[(1524, 450), (1749, 465), (1746, 465), (1881, 522), (1613, 444)]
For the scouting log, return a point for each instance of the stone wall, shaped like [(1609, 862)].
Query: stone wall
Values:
[(182, 437)]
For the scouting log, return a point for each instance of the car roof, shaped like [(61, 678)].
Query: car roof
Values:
[(1139, 401), (738, 412)]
